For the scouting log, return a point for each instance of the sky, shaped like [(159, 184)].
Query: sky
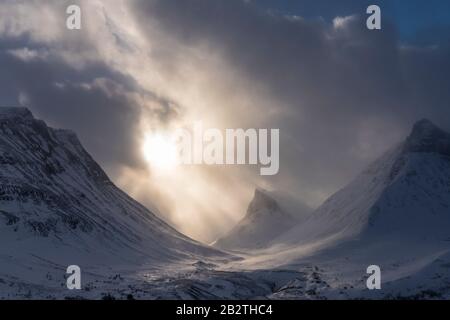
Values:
[(340, 94), (412, 18)]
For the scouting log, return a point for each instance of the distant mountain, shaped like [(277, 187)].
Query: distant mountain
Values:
[(265, 220), (57, 204)]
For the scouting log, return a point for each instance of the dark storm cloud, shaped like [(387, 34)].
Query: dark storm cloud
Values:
[(350, 92), (94, 101)]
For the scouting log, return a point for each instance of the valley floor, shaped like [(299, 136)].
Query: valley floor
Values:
[(333, 277)]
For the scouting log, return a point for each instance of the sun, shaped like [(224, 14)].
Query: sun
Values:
[(160, 151)]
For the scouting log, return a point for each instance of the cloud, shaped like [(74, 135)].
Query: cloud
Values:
[(342, 93), (28, 55), (74, 79)]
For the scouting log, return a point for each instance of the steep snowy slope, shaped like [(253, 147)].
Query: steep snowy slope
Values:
[(405, 193), (264, 221), (56, 203)]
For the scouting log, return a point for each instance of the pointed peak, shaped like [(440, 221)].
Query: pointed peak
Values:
[(427, 137), (264, 196), (424, 121), (261, 193), (425, 127), (262, 200), (15, 112)]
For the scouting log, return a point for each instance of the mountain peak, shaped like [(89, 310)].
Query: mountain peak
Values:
[(424, 126), (15, 112), (264, 221), (427, 137), (262, 200)]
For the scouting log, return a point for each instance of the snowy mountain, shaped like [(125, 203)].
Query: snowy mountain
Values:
[(405, 193), (58, 205), (264, 220)]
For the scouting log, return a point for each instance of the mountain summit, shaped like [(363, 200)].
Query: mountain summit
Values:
[(265, 220), (263, 205), (15, 112), (427, 137)]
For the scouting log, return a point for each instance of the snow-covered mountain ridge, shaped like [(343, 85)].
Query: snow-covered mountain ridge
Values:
[(405, 192)]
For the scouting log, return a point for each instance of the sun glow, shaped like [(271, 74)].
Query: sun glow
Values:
[(160, 152)]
